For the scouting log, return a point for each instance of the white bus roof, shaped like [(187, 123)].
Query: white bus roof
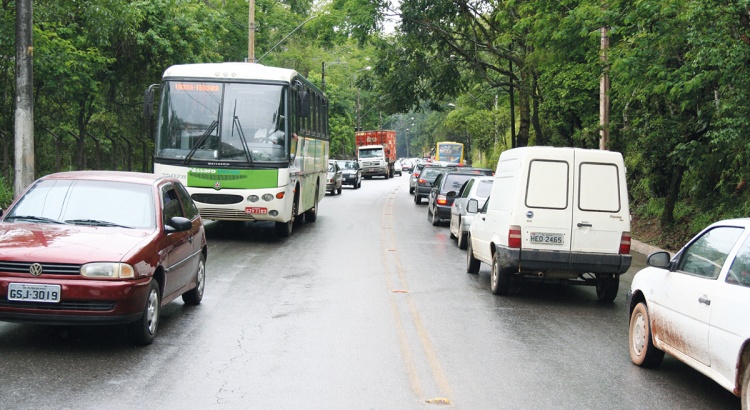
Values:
[(230, 71)]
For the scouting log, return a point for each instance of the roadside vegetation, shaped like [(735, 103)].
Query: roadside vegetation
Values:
[(678, 70)]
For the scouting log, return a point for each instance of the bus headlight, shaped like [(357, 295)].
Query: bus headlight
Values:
[(267, 197), (253, 198)]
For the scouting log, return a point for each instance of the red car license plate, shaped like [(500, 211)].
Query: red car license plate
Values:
[(34, 293), (256, 210)]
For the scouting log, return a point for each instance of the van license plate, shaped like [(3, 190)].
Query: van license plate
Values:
[(541, 238), (34, 293)]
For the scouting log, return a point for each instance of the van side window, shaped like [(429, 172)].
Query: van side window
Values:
[(599, 187), (548, 184), (705, 257)]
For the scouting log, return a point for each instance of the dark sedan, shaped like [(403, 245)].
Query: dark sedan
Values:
[(351, 173), (101, 247), (426, 179), (444, 190)]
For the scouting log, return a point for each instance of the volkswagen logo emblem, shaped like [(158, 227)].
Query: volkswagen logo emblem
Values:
[(35, 269), (217, 185)]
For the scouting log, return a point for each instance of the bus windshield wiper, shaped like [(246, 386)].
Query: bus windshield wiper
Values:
[(236, 124), (36, 219), (201, 141)]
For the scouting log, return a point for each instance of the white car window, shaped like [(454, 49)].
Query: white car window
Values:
[(707, 254), (739, 272)]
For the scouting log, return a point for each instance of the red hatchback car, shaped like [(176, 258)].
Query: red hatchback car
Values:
[(100, 247)]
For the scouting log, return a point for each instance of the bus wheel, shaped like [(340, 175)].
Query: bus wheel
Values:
[(284, 229), (311, 215)]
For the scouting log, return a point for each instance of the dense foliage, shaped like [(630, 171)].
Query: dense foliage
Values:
[(493, 75)]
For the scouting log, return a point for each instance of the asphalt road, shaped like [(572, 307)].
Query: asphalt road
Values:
[(369, 307)]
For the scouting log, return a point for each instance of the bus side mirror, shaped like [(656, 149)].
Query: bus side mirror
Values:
[(148, 100)]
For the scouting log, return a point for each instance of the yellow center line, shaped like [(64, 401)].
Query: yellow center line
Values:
[(400, 291)]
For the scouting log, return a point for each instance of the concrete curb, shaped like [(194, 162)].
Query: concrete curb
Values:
[(646, 249)]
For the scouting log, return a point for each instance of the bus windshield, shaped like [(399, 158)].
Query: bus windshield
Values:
[(450, 152), (250, 128)]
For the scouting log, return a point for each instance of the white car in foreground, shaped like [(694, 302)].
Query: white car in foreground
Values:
[(694, 307)]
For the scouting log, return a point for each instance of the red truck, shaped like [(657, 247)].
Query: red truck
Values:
[(376, 152)]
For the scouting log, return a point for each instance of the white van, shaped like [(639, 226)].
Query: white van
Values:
[(554, 214)]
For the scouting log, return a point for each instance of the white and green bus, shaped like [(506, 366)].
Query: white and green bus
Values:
[(249, 142)]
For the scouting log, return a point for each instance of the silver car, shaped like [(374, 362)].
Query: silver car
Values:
[(414, 176), (478, 188)]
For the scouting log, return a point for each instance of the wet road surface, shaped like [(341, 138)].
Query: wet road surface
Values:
[(369, 307)]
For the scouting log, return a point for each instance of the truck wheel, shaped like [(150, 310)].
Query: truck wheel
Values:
[(500, 277), (607, 286), (472, 264), (640, 343)]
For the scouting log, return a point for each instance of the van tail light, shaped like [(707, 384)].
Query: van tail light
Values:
[(442, 200), (625, 243), (514, 237)]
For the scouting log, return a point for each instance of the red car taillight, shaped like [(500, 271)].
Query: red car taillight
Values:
[(625, 243), (442, 200), (514, 237)]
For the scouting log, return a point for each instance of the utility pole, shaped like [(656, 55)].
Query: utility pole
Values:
[(24, 116), (251, 32), (604, 93)]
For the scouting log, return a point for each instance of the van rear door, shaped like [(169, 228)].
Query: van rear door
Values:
[(601, 212), (548, 200)]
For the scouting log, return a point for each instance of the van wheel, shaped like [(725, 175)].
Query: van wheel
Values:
[(607, 286), (640, 343), (472, 263), (500, 277)]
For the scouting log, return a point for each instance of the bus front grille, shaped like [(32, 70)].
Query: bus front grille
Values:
[(225, 214), (217, 199)]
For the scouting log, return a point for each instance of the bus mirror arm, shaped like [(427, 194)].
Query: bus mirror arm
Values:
[(148, 100)]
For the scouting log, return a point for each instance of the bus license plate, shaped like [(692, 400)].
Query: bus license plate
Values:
[(541, 238), (256, 210), (34, 293)]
